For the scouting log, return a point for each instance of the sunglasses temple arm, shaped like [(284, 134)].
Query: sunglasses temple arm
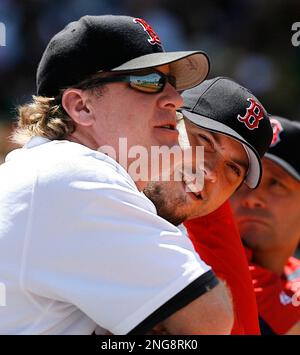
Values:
[(124, 79)]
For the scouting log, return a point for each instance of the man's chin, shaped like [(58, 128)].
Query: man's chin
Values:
[(250, 226), (253, 239), (176, 220)]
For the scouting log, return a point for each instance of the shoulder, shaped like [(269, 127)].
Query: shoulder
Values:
[(60, 162), (63, 170)]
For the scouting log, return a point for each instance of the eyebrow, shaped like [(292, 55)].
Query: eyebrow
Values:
[(283, 177), (280, 175)]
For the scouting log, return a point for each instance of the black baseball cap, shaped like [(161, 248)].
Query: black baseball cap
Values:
[(285, 146), (112, 43), (221, 105)]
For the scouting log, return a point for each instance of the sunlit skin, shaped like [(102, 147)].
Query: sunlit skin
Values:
[(269, 217), (121, 111), (225, 167)]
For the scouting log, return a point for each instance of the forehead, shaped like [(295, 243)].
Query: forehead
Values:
[(271, 168)]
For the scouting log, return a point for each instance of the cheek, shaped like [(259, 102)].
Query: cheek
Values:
[(287, 217), (135, 127), (218, 195), (281, 217), (223, 190)]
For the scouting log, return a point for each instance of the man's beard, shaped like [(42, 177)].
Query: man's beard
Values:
[(165, 209)]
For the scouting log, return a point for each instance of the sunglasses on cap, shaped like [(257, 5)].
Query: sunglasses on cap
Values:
[(151, 83)]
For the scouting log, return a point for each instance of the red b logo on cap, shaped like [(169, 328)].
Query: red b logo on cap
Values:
[(253, 115), (154, 39)]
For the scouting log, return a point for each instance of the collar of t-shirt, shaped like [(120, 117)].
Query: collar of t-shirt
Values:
[(33, 142)]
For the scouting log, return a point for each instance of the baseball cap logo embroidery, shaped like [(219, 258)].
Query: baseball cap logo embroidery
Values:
[(277, 129), (254, 113), (153, 37)]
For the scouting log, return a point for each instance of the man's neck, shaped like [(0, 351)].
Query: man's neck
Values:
[(85, 140), (273, 260)]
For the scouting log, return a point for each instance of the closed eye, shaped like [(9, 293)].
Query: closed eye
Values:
[(235, 169), (275, 182), (278, 188)]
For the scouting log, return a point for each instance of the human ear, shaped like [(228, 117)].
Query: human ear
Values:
[(76, 103)]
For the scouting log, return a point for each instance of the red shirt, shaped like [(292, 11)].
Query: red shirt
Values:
[(278, 304), (216, 239)]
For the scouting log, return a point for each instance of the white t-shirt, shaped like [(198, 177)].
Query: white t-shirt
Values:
[(81, 247)]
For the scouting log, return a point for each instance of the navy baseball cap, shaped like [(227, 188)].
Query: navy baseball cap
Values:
[(112, 43), (285, 146), (221, 105)]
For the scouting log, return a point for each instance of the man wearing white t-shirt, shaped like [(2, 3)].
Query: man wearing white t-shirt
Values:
[(80, 247)]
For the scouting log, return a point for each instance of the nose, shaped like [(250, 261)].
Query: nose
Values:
[(251, 198), (210, 174), (212, 167), (170, 98)]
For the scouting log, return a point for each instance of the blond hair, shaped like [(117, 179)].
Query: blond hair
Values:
[(44, 117)]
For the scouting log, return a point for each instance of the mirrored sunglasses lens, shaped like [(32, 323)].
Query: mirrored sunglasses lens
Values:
[(150, 83)]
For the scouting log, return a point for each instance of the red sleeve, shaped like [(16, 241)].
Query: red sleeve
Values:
[(216, 239)]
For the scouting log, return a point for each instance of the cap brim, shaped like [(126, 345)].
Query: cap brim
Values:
[(189, 68), (283, 164), (253, 176)]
